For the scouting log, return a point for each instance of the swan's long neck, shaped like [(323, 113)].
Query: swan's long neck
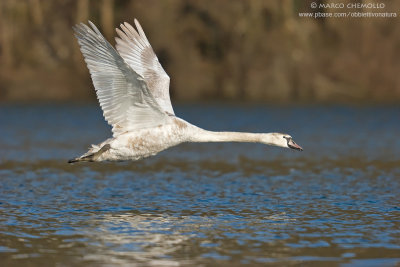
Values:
[(202, 135)]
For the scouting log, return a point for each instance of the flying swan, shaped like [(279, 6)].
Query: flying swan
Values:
[(133, 92)]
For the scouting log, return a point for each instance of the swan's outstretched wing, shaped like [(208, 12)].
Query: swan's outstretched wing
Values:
[(136, 50), (123, 95)]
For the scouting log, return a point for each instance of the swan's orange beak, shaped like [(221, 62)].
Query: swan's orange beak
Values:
[(293, 145)]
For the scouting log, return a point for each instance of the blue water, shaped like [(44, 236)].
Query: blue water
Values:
[(336, 203)]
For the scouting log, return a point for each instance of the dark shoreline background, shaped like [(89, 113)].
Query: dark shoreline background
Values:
[(235, 51)]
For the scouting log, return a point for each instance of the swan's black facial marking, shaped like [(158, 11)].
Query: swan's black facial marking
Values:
[(291, 144), (288, 139)]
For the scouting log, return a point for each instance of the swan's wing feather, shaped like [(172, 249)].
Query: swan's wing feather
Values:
[(136, 50), (123, 95)]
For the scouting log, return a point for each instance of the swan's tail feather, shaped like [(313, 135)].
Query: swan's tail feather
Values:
[(89, 158), (92, 156)]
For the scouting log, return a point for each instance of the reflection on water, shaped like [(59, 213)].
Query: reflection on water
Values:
[(203, 204), (161, 235)]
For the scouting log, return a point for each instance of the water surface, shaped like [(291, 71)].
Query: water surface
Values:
[(336, 203)]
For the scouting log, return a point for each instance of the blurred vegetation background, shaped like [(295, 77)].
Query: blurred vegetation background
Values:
[(234, 50)]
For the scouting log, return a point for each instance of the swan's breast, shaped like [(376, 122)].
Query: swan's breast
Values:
[(147, 142)]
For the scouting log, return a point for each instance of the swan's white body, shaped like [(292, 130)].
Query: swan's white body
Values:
[(133, 91)]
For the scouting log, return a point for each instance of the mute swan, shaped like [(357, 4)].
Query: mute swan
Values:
[(133, 91)]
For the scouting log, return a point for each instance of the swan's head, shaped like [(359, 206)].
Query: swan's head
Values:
[(282, 140)]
